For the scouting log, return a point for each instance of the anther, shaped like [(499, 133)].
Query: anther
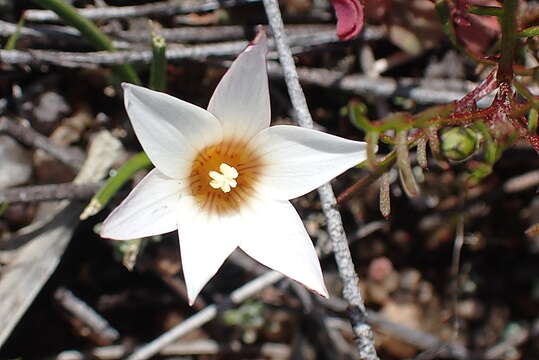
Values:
[(225, 179)]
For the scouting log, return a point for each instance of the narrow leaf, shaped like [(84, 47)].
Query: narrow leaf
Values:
[(372, 148), (91, 32), (12, 41), (532, 121), (114, 183), (422, 152), (529, 32), (407, 177), (158, 69), (385, 196)]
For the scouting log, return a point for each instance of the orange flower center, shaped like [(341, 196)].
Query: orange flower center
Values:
[(215, 190)]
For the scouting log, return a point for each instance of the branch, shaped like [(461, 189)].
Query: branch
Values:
[(90, 32), (204, 316), (45, 240), (224, 33), (163, 8), (365, 338), (508, 41), (71, 59), (194, 347), (430, 91), (28, 136), (86, 315), (49, 192), (57, 36)]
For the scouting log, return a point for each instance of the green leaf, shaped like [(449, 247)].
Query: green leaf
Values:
[(486, 10), (114, 183), (529, 32), (158, 69), (12, 41), (91, 32), (357, 112)]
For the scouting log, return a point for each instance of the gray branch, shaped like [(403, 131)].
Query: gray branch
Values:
[(227, 33), (365, 338), (28, 136), (70, 59), (301, 42), (163, 8), (49, 192), (88, 316), (435, 91), (65, 36), (203, 316), (422, 91)]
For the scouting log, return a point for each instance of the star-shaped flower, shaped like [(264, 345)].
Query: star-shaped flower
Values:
[(223, 177)]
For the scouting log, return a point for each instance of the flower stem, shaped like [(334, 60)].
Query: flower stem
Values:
[(509, 37), (529, 32), (115, 182), (12, 41), (358, 315), (158, 68), (91, 32), (486, 10)]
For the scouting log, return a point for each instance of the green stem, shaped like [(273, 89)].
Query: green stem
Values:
[(382, 166), (12, 41), (529, 32), (3, 207), (114, 183), (486, 10), (91, 32), (532, 121), (158, 69), (509, 37), (424, 118), (523, 90), (395, 121)]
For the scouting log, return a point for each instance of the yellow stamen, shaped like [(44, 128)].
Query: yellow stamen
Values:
[(225, 179)]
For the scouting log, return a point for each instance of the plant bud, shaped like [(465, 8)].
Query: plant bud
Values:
[(457, 143)]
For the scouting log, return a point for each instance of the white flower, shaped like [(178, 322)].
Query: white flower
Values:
[(223, 177)]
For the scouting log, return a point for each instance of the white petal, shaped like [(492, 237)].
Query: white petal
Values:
[(241, 100), (205, 243), (279, 241), (170, 130), (299, 160), (150, 209)]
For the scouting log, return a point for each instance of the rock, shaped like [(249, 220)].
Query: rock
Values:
[(409, 279), (15, 163), (47, 110), (382, 280), (470, 309), (409, 315)]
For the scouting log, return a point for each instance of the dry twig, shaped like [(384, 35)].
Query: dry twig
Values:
[(343, 257), (30, 137), (33, 262), (203, 316), (432, 91), (301, 42), (196, 347), (163, 8), (49, 192), (86, 314)]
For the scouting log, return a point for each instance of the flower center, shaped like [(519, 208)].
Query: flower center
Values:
[(224, 180), (223, 176)]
